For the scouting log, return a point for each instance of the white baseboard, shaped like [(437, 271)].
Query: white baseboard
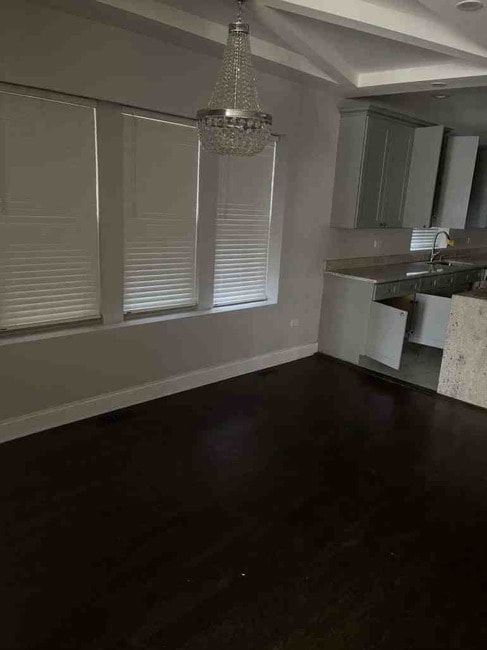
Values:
[(86, 408)]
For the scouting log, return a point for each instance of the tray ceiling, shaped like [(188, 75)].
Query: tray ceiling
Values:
[(360, 47)]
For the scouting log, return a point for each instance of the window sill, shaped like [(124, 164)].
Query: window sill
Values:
[(134, 321)]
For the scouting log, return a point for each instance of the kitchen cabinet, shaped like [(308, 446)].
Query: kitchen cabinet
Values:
[(372, 318), (383, 181), (372, 180), (422, 319), (430, 320), (455, 183), (477, 208), (398, 156), (386, 334), (423, 175), (370, 192)]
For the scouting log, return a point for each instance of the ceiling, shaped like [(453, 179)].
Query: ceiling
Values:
[(359, 47), (462, 109)]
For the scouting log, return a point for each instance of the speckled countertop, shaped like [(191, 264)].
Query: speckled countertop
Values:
[(464, 366), (398, 272)]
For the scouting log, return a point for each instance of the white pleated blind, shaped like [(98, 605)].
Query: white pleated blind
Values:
[(423, 239), (243, 227), (161, 207), (48, 212)]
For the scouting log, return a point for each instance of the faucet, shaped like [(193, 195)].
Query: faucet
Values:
[(433, 249)]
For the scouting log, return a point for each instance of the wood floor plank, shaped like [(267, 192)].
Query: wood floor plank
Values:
[(306, 507)]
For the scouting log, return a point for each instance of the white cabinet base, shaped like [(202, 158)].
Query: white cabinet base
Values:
[(431, 316), (385, 336)]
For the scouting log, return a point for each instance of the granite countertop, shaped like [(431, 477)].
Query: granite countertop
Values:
[(464, 368), (398, 272)]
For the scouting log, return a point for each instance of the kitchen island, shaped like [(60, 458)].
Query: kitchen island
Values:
[(464, 367)]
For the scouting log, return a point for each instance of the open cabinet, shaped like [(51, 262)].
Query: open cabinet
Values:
[(430, 322), (455, 184), (419, 318), (387, 331)]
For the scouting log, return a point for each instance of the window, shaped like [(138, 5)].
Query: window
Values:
[(161, 209), (243, 227), (197, 231), (48, 212), (423, 239)]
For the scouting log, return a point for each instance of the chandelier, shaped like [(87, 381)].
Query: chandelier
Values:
[(234, 122)]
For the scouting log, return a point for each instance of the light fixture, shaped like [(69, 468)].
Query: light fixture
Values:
[(438, 84), (441, 96), (234, 122), (470, 5)]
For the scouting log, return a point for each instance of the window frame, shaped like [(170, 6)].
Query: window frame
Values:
[(433, 231), (159, 117), (9, 333), (208, 179), (109, 147)]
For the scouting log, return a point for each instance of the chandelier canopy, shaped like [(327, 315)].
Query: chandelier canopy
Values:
[(234, 122)]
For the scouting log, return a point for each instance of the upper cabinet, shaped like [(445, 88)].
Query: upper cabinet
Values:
[(379, 152), (398, 159), (477, 208), (455, 185), (423, 174)]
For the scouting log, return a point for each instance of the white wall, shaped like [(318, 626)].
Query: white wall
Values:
[(45, 48)]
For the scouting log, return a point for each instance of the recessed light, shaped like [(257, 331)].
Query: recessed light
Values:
[(470, 5), (441, 96), (438, 84)]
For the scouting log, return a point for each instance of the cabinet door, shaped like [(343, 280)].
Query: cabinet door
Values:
[(430, 322), (399, 146), (348, 170), (385, 335), (422, 177), (456, 181), (373, 172), (477, 209)]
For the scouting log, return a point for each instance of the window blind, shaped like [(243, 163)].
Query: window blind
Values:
[(161, 207), (243, 227), (423, 239), (48, 212)]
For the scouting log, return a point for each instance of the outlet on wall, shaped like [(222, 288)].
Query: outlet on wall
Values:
[(377, 243), (294, 322)]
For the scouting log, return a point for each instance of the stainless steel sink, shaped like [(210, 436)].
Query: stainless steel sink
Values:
[(450, 263)]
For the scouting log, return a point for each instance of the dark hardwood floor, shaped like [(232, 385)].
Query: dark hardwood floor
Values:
[(311, 506)]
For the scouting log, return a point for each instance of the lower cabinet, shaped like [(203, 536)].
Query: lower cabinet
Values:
[(386, 334), (420, 318), (374, 320), (430, 321)]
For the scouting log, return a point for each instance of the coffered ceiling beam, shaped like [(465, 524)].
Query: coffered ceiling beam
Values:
[(133, 14), (309, 42)]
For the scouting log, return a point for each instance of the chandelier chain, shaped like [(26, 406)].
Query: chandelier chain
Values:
[(240, 5)]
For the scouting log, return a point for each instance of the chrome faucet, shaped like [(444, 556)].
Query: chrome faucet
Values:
[(433, 249)]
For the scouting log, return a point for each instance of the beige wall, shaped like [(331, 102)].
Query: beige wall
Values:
[(44, 48)]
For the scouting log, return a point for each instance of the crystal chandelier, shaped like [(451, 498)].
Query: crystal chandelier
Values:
[(234, 122)]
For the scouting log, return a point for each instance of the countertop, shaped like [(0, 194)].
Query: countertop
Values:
[(398, 272), (464, 368)]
